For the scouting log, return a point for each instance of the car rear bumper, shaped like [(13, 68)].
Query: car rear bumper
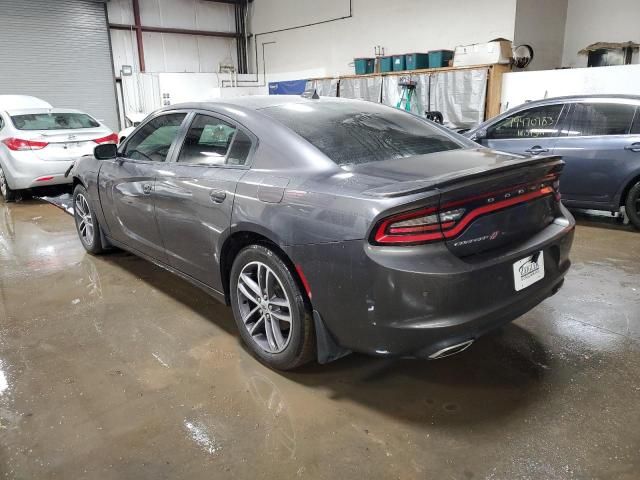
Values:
[(23, 172), (415, 301)]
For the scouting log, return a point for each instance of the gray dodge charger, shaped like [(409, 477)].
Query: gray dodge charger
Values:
[(332, 225)]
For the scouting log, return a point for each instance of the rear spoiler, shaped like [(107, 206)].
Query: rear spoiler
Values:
[(411, 187)]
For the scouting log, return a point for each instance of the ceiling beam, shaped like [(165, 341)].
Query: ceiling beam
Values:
[(181, 31)]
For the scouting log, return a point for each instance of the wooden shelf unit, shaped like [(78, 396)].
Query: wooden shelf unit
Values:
[(494, 81)]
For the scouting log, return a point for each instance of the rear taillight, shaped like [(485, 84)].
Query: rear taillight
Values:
[(431, 224), (16, 144), (113, 138)]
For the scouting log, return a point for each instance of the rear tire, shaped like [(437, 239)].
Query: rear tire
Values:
[(87, 224), (7, 193), (632, 205), (270, 310)]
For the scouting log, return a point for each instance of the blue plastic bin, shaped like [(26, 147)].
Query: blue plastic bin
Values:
[(415, 61), (386, 64), (440, 58), (364, 65), (399, 63)]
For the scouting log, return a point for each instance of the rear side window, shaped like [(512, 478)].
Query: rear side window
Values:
[(635, 128), (240, 149), (537, 122), (600, 119), (212, 141), (53, 121), (354, 133)]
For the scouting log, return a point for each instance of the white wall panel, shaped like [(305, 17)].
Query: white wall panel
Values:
[(541, 24), (400, 26), (190, 14), (125, 50), (591, 21), (168, 52), (120, 11), (519, 87), (165, 52)]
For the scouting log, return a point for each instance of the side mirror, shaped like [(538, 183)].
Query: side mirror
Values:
[(479, 135), (106, 151)]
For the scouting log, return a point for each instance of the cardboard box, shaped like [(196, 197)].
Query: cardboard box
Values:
[(497, 51)]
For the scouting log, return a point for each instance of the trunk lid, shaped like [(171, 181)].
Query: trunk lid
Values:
[(496, 199), (68, 144)]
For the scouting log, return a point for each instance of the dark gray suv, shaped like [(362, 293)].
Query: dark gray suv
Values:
[(598, 137)]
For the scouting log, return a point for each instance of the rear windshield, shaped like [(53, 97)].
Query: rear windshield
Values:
[(53, 121), (353, 133)]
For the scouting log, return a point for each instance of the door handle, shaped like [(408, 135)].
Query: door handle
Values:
[(634, 147), (536, 150), (146, 188), (217, 196)]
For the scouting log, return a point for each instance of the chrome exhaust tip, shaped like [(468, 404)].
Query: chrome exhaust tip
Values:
[(451, 350)]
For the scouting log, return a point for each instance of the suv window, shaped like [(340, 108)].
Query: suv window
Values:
[(536, 122), (154, 139), (600, 119), (212, 141)]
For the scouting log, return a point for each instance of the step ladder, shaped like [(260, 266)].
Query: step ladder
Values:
[(408, 89)]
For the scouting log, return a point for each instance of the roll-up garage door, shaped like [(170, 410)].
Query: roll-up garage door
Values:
[(58, 51)]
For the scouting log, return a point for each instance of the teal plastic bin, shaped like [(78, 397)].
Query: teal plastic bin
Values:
[(440, 58), (386, 64), (364, 65), (399, 63), (415, 61)]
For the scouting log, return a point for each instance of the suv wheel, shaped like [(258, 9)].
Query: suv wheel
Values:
[(6, 192), (632, 205), (270, 310)]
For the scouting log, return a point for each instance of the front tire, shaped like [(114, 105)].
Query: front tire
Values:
[(270, 310), (86, 222), (7, 193), (632, 205)]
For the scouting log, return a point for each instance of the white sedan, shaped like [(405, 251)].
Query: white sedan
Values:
[(38, 143)]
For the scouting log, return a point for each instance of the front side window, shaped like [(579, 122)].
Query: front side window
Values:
[(53, 121), (212, 141), (600, 119), (355, 133), (537, 122), (153, 141)]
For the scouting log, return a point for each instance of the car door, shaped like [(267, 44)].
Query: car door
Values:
[(530, 131), (126, 184), (600, 151), (195, 193)]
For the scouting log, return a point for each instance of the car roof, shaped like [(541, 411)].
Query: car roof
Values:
[(31, 111), (258, 102), (11, 102), (569, 98)]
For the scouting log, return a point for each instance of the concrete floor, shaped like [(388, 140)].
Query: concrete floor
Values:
[(113, 368)]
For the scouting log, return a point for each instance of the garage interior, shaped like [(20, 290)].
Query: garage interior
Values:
[(112, 367)]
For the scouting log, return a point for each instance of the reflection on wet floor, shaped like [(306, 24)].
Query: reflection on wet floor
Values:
[(113, 368)]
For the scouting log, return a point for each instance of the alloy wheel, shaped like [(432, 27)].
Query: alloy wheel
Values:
[(265, 307), (84, 219)]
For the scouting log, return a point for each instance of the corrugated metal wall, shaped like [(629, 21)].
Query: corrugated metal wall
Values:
[(58, 51)]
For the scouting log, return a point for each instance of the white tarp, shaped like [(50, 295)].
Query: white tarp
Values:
[(325, 87), (392, 92), (362, 88), (460, 96)]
